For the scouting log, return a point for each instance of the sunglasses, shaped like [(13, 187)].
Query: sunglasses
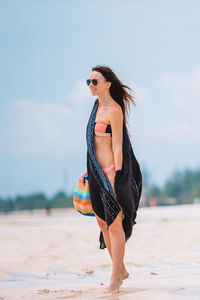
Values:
[(94, 81)]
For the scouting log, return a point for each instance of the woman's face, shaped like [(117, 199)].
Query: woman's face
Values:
[(102, 86)]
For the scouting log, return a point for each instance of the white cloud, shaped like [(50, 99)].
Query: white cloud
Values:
[(183, 96), (173, 114), (42, 128), (80, 94), (184, 91), (173, 129), (49, 129), (165, 124), (139, 93)]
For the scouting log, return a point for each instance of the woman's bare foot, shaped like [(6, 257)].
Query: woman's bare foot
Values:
[(114, 286), (124, 273)]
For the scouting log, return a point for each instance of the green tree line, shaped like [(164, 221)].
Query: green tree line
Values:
[(182, 185), (36, 201)]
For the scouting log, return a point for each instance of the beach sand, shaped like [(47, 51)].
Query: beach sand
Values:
[(58, 256)]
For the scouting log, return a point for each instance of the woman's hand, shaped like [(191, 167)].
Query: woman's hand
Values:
[(83, 175)]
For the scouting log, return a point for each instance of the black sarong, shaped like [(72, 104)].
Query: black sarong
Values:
[(127, 183)]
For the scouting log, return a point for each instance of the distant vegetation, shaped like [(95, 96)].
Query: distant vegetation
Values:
[(181, 187), (35, 201)]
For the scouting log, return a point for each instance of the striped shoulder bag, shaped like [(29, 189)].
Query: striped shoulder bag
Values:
[(81, 198)]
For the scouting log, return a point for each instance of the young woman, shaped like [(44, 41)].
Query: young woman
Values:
[(114, 175)]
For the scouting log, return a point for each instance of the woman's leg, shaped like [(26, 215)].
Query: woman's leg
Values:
[(117, 239), (103, 226), (117, 243)]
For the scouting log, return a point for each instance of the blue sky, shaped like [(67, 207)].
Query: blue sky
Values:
[(47, 51)]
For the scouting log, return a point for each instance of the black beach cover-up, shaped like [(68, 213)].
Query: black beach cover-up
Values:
[(127, 183)]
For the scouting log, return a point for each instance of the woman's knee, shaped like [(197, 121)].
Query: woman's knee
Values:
[(116, 225), (102, 224)]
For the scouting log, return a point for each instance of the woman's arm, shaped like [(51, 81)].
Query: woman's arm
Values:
[(116, 119)]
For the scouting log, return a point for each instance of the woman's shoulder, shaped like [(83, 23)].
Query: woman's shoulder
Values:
[(116, 110)]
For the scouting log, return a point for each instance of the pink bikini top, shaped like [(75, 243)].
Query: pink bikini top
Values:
[(103, 128)]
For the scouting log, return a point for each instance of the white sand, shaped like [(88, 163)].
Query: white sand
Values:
[(58, 256)]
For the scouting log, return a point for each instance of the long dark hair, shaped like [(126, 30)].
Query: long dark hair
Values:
[(119, 92)]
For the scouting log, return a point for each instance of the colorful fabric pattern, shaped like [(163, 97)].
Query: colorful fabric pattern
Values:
[(81, 198)]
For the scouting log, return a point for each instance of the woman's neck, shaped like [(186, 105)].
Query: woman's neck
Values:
[(105, 99)]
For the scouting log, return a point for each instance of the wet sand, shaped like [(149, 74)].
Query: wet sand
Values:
[(58, 256)]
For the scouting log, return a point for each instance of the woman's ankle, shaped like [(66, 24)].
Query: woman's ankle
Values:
[(116, 276)]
